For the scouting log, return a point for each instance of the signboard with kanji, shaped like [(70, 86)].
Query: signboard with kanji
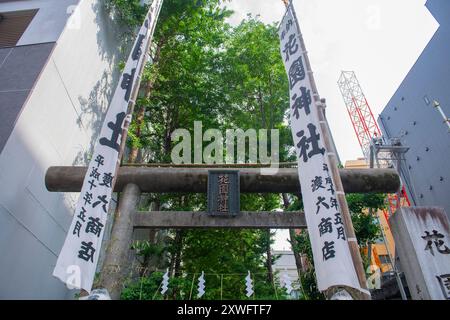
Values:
[(422, 244), (223, 193)]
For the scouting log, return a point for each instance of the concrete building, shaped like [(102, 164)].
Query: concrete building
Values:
[(58, 71), (411, 117)]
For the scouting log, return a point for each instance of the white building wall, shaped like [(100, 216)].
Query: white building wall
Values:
[(48, 22), (61, 117), (286, 264)]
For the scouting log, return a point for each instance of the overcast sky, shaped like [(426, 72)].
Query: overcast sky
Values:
[(378, 39)]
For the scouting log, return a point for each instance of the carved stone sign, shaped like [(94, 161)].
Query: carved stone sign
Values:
[(223, 193), (422, 241)]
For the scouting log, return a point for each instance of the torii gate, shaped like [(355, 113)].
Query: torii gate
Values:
[(134, 180)]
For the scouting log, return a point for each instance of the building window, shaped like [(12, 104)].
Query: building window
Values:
[(384, 258), (13, 25)]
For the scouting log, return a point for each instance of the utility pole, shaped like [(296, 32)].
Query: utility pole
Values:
[(332, 157), (383, 233)]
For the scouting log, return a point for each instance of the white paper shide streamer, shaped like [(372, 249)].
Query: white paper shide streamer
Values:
[(286, 282), (78, 259), (201, 285), (332, 259), (165, 282), (249, 285)]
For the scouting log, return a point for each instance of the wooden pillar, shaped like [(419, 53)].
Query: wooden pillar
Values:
[(346, 217), (116, 259)]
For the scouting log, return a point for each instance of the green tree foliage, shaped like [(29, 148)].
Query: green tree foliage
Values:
[(255, 83), (362, 208), (128, 13), (184, 77), (197, 74)]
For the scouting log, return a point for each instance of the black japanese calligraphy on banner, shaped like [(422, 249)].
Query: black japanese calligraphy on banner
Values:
[(296, 72), (308, 147), (291, 47), (83, 242), (116, 131), (332, 259), (137, 50), (127, 83), (302, 101)]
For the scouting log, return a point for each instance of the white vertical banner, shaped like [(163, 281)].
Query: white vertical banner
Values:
[(78, 259), (332, 259)]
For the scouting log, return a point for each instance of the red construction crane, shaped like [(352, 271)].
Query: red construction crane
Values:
[(358, 108), (364, 124)]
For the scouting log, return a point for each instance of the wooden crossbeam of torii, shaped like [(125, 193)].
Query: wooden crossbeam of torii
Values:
[(194, 180), (194, 220)]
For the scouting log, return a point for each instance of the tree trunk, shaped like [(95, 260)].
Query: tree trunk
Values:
[(179, 246), (261, 108), (176, 261), (141, 109), (272, 107), (139, 120), (297, 255), (151, 262), (269, 259)]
